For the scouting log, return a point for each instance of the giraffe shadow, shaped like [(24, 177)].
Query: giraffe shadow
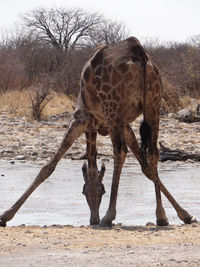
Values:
[(154, 228), (147, 228)]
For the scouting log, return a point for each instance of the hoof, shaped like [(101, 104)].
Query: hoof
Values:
[(190, 219), (106, 223), (2, 223), (162, 222), (96, 222)]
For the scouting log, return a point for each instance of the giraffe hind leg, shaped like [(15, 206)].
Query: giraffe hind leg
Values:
[(151, 174), (76, 128)]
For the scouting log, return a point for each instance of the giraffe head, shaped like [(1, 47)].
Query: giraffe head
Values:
[(93, 190)]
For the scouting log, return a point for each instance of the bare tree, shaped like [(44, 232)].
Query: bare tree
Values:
[(62, 28), (68, 28), (109, 32), (195, 40), (53, 43)]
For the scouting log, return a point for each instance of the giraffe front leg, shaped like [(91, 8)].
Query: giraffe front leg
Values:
[(111, 212), (119, 158), (77, 127)]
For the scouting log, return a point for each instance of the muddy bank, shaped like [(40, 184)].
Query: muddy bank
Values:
[(94, 246)]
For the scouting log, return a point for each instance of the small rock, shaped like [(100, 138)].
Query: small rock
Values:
[(195, 224), (119, 225), (156, 234), (8, 151), (184, 112), (171, 115), (44, 233), (4, 117), (20, 157), (150, 224), (28, 232)]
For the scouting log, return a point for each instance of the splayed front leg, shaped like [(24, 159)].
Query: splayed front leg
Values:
[(77, 127)]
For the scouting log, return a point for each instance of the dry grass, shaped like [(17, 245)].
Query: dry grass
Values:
[(186, 100), (59, 104), (18, 103), (170, 99), (15, 102)]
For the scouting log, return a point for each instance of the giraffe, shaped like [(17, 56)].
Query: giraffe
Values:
[(118, 83)]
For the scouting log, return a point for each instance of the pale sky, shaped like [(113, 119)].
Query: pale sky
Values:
[(167, 20)]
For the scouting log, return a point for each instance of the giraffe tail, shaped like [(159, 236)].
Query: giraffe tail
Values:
[(145, 128), (145, 133)]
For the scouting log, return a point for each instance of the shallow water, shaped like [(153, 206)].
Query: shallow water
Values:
[(59, 199)]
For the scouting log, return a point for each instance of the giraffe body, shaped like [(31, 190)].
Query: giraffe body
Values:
[(118, 83), (112, 82)]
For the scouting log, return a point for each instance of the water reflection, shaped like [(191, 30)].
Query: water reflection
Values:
[(59, 199)]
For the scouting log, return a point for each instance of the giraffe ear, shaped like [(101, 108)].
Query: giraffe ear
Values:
[(84, 171), (102, 172)]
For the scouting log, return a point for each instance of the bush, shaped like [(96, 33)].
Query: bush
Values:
[(40, 97), (29, 56)]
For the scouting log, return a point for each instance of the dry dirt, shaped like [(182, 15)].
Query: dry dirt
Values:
[(95, 246)]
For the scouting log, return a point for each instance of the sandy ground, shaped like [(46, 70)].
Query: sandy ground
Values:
[(95, 246)]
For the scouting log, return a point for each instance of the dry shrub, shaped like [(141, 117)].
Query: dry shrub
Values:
[(18, 103), (39, 99), (186, 100), (15, 103), (59, 104), (171, 101)]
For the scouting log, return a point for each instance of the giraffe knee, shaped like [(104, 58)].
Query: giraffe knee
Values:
[(119, 145), (118, 139), (153, 155)]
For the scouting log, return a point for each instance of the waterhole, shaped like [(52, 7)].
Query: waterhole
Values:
[(59, 200)]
